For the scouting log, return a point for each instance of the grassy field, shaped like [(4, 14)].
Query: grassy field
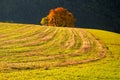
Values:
[(33, 52)]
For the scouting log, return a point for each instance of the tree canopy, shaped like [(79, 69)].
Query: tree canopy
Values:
[(59, 17)]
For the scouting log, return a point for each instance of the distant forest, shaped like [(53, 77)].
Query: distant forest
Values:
[(98, 14)]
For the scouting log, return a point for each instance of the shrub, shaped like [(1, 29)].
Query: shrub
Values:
[(44, 21)]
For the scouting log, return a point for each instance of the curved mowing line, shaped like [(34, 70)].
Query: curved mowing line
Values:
[(61, 56), (74, 62), (35, 42), (53, 41), (101, 53), (19, 50), (70, 43), (34, 52), (25, 39), (89, 44), (78, 40), (8, 27), (86, 46), (24, 49), (22, 36), (28, 30), (13, 31)]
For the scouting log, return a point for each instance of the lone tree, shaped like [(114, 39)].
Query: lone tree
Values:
[(59, 17)]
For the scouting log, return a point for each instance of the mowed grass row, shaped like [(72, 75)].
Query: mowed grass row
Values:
[(33, 44), (32, 47), (51, 53)]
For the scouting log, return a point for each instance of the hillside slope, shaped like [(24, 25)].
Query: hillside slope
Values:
[(32, 48)]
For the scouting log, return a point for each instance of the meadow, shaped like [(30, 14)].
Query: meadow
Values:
[(33, 52)]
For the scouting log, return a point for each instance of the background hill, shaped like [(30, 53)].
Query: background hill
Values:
[(99, 14)]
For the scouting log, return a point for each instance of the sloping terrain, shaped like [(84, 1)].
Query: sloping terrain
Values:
[(27, 47)]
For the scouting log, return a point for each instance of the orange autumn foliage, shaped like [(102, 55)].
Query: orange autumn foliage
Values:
[(60, 17)]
